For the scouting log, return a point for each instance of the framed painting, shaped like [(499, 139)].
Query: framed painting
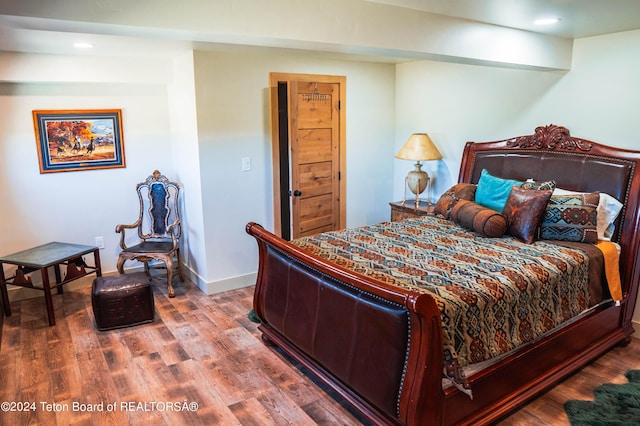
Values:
[(71, 140)]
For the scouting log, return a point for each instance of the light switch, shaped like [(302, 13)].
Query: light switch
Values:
[(246, 164), (100, 242)]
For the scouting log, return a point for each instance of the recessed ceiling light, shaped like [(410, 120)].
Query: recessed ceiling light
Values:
[(546, 21), (82, 45)]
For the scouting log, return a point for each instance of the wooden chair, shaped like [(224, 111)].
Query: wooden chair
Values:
[(158, 227)]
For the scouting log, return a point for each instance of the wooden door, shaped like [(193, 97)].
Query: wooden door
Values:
[(315, 155)]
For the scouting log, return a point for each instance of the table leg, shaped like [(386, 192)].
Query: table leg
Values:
[(96, 259), (47, 295), (56, 269), (3, 292)]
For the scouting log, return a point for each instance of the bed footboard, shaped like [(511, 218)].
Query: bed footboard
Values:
[(369, 343)]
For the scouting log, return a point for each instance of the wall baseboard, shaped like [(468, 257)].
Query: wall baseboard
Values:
[(215, 287), (232, 283)]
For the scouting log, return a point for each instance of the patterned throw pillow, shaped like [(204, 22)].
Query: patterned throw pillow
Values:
[(608, 210), (539, 185), (571, 218), (524, 210)]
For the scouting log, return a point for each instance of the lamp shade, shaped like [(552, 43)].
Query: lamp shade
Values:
[(419, 147)]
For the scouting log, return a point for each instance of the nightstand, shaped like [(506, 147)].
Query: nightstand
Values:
[(409, 210)]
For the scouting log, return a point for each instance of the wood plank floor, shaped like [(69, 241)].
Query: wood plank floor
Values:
[(201, 362)]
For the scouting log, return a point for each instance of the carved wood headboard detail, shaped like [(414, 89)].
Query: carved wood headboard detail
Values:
[(550, 137)]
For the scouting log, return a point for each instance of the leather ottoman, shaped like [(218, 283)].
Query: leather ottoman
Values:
[(122, 300)]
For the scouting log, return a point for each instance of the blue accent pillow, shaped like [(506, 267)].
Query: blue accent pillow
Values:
[(492, 192)]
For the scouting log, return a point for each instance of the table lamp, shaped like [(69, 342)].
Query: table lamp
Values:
[(418, 147)]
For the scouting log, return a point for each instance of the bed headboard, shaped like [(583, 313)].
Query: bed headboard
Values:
[(551, 153)]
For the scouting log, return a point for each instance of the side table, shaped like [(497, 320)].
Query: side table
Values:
[(40, 259), (409, 209)]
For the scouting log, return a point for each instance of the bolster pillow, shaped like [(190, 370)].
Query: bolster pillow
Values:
[(459, 191), (484, 221)]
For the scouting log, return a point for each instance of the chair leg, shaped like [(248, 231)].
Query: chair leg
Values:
[(180, 273), (169, 265), (120, 264), (147, 269)]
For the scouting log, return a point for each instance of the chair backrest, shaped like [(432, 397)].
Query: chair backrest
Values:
[(158, 207)]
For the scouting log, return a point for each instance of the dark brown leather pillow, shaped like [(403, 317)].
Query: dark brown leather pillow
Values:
[(524, 211), (484, 221), (465, 191), (459, 191)]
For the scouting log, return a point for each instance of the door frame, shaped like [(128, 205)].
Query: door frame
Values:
[(274, 79)]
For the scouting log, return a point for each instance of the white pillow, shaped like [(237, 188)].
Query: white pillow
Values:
[(608, 210)]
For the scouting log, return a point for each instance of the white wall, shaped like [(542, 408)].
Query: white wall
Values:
[(233, 122), (600, 98), (186, 161), (456, 103), (76, 206)]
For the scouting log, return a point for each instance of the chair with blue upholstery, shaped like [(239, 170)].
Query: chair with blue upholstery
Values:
[(158, 227)]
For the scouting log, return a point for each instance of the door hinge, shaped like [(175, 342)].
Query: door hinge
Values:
[(339, 104), (339, 175)]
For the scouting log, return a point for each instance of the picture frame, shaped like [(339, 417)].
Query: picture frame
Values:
[(72, 140)]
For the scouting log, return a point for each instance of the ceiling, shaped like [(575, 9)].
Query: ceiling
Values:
[(21, 32), (579, 18)]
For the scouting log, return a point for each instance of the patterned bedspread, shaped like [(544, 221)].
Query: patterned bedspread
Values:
[(494, 294)]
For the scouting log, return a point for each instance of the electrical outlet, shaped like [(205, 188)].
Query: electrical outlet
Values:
[(100, 242), (246, 164)]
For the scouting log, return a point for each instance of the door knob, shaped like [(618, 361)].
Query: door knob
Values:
[(297, 193)]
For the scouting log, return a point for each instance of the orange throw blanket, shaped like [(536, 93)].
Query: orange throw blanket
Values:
[(611, 268)]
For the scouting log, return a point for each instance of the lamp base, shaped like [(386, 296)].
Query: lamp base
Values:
[(417, 180), (417, 200)]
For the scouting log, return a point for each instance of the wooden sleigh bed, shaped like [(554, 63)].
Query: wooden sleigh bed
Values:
[(380, 345)]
